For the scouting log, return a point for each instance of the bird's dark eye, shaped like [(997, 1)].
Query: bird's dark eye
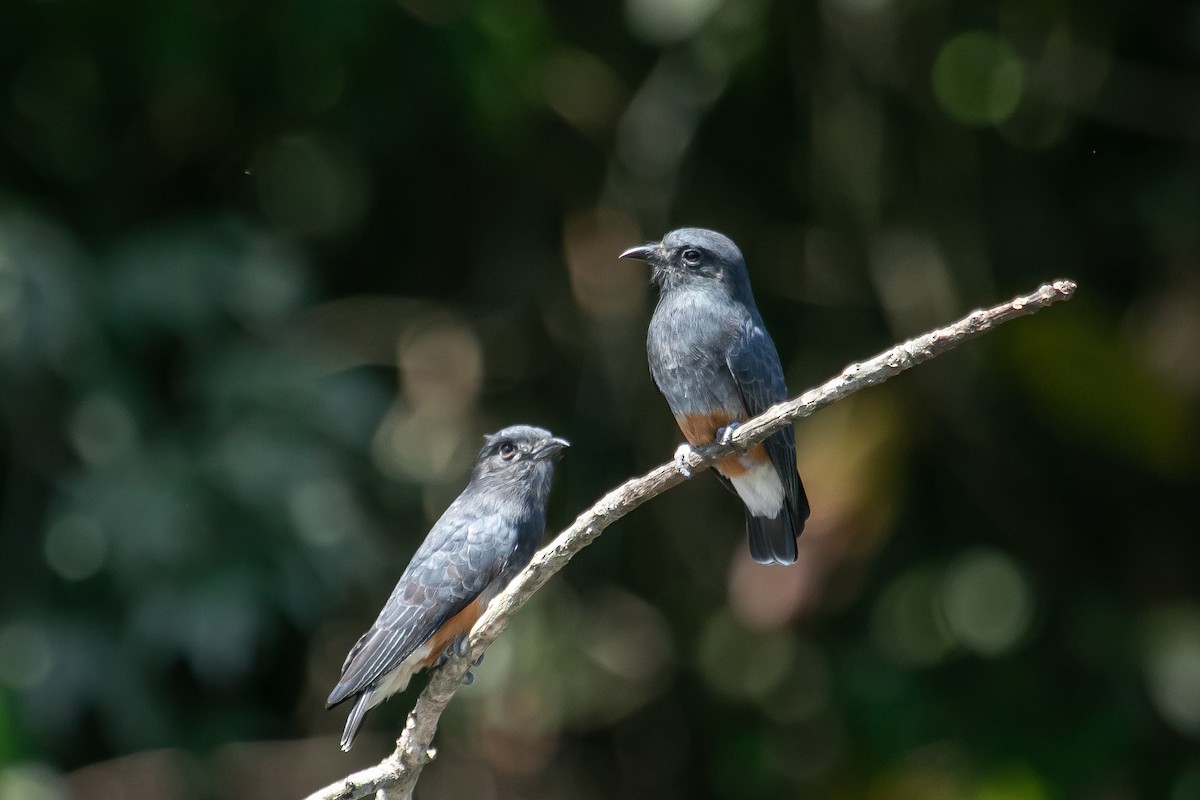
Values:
[(691, 256), (507, 450)]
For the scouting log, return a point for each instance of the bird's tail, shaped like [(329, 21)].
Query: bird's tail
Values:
[(355, 720), (773, 539)]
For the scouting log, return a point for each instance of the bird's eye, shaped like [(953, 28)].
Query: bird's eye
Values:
[(691, 256), (507, 450)]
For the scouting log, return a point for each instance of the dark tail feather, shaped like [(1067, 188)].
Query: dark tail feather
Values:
[(355, 720), (773, 540)]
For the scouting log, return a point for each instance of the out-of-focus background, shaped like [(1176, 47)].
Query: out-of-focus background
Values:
[(269, 270)]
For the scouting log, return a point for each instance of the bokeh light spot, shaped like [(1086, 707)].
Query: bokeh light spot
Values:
[(324, 511), (918, 781), (978, 78), (1172, 664), (75, 547), (742, 662), (863, 6), (1014, 782), (668, 21), (987, 602), (269, 283), (807, 691), (441, 364), (583, 90), (907, 623), (32, 782), (603, 286), (764, 597), (25, 655), (628, 637), (102, 429), (310, 188)]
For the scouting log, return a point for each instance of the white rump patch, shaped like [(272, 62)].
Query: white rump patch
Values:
[(760, 489)]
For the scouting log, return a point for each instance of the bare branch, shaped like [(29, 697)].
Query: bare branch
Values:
[(398, 773)]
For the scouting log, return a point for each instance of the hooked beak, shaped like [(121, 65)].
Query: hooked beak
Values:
[(551, 448), (646, 252)]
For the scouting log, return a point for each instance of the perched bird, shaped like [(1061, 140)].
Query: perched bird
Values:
[(716, 365), (486, 536)]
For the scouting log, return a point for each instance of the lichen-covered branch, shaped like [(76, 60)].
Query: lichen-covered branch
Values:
[(397, 774)]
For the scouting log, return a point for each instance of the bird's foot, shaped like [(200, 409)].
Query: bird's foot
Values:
[(681, 456), (461, 645), (725, 434)]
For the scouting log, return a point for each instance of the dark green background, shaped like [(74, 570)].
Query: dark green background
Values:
[(224, 225)]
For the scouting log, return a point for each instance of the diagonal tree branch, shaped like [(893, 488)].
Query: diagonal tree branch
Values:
[(397, 774)]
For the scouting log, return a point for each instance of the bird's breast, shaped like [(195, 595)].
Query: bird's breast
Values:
[(687, 346), (688, 331)]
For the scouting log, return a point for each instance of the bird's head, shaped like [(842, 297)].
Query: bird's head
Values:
[(693, 257), (517, 454)]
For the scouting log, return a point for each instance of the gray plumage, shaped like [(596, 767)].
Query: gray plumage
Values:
[(714, 362), (487, 535)]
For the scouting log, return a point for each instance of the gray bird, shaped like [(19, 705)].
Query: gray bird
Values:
[(716, 365), (486, 536)]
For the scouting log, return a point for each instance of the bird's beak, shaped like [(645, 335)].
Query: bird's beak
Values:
[(645, 252), (551, 448)]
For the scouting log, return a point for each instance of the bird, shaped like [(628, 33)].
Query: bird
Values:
[(711, 357), (479, 544)]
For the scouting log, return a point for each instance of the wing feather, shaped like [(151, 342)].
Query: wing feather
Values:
[(754, 363), (457, 560)]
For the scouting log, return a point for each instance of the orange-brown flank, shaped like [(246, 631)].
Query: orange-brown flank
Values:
[(460, 623), (701, 429)]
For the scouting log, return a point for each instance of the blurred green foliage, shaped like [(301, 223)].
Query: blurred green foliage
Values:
[(267, 271)]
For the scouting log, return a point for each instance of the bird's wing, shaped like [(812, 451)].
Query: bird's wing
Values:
[(754, 364), (451, 568)]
